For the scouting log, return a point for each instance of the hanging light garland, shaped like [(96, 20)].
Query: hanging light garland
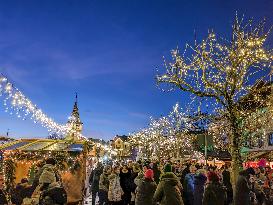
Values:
[(167, 136), (16, 103)]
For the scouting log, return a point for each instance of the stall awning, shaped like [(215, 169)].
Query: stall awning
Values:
[(43, 145)]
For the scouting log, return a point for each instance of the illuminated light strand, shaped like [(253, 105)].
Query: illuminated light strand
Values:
[(167, 135), (17, 103), (223, 72)]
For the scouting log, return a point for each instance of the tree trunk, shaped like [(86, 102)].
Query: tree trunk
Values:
[(235, 148)]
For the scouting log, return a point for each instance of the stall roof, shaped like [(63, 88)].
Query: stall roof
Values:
[(43, 145)]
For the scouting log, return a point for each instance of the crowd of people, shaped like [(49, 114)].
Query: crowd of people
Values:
[(45, 189), (151, 183)]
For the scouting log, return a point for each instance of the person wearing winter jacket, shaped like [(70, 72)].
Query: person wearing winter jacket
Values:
[(146, 189), (94, 180), (200, 180), (157, 173), (50, 190), (22, 190), (49, 165), (227, 184), (243, 188), (104, 186), (3, 199), (53, 194), (169, 189), (126, 184), (136, 169), (189, 186), (115, 191), (215, 193), (140, 175)]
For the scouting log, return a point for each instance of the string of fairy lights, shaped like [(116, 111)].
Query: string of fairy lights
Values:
[(167, 136), (224, 71), (16, 103)]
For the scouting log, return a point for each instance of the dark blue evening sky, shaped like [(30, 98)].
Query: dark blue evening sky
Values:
[(107, 51)]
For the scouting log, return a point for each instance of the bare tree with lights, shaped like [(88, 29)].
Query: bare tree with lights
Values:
[(223, 71), (167, 136)]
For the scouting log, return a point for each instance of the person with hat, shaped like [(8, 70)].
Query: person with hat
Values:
[(104, 185), (46, 178), (169, 189), (146, 189), (243, 188), (115, 191), (189, 186), (140, 175), (49, 165), (215, 193), (22, 190)]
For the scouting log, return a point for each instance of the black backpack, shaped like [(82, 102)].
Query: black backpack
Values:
[(57, 194)]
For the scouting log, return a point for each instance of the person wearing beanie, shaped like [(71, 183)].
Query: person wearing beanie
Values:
[(215, 193), (22, 190), (140, 175), (49, 166), (146, 189), (115, 191), (169, 189), (149, 174), (243, 187)]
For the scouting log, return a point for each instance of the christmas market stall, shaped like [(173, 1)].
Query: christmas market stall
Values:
[(21, 158), (259, 157)]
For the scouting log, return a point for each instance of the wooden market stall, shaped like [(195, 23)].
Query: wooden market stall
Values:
[(72, 157), (253, 156)]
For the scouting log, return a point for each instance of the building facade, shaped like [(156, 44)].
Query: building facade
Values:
[(121, 145)]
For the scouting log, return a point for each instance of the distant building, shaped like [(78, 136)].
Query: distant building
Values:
[(75, 122), (121, 145), (4, 140)]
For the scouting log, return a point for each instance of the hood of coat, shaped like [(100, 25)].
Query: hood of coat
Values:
[(54, 185), (112, 176), (136, 169), (169, 178), (148, 180)]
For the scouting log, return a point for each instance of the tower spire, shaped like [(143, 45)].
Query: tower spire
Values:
[(74, 119)]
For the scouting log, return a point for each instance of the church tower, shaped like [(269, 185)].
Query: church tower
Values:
[(75, 121)]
